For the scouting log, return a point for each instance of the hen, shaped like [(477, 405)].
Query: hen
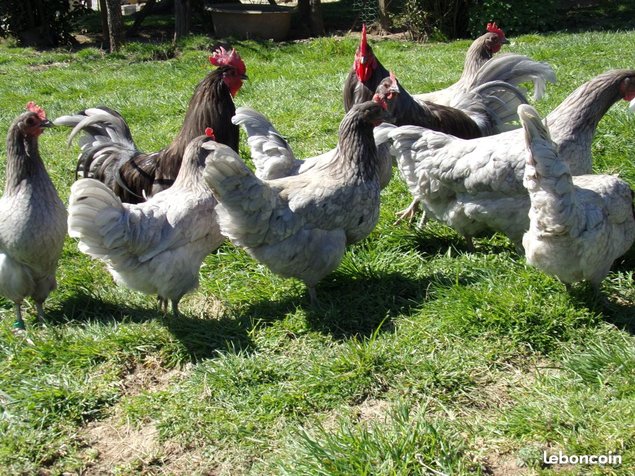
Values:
[(33, 218), (157, 246), (475, 186), (110, 155), (368, 72), (273, 157), (578, 225), (299, 226), (481, 66)]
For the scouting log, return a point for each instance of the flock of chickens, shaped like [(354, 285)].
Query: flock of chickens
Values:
[(152, 218)]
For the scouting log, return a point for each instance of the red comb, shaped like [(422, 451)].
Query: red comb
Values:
[(209, 132), (363, 43), (31, 106), (222, 57), (493, 28)]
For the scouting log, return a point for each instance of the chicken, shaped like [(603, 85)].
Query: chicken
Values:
[(299, 226), (157, 246), (578, 225), (33, 218), (481, 66), (367, 72), (110, 155), (273, 157), (477, 115), (475, 186)]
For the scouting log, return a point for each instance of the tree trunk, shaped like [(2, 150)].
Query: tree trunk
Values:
[(310, 14), (115, 25), (384, 22), (103, 11), (182, 18)]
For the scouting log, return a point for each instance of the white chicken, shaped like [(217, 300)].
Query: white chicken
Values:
[(481, 67), (299, 226), (32, 218), (578, 225), (157, 246), (475, 186)]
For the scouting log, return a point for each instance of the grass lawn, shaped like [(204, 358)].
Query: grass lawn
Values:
[(423, 358)]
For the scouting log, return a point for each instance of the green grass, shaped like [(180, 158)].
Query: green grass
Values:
[(423, 358)]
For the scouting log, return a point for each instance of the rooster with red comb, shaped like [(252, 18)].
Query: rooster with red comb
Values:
[(109, 154), (368, 72)]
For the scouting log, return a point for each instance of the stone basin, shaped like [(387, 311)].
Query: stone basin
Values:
[(251, 21)]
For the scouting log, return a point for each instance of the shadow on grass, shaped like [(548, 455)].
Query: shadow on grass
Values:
[(357, 305), (434, 238), (613, 309), (201, 338)]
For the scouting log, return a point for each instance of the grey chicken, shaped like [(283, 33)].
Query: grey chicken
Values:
[(274, 158), (476, 186), (33, 218), (157, 246), (299, 226), (109, 153), (578, 225)]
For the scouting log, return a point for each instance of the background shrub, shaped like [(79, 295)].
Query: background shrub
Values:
[(34, 22), (515, 16)]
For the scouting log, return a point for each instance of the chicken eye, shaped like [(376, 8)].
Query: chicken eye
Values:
[(30, 121)]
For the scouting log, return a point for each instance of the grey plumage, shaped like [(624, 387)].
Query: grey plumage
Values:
[(32, 219)]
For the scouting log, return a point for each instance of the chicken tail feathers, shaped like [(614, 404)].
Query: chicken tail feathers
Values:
[(245, 203), (515, 69), (493, 106), (270, 151), (97, 218), (109, 154), (547, 178)]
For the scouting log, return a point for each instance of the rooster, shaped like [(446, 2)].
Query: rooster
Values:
[(476, 186), (33, 218), (157, 246), (578, 225), (474, 118), (299, 226), (367, 71), (110, 155)]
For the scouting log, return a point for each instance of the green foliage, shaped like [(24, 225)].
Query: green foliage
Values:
[(433, 20), (40, 23), (406, 442), (514, 16)]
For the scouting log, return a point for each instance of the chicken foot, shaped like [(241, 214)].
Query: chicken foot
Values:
[(408, 213), (163, 306), (313, 296), (18, 325)]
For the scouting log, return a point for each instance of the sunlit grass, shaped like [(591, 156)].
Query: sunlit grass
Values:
[(421, 357)]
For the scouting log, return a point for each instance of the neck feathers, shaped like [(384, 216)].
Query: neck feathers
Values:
[(23, 159)]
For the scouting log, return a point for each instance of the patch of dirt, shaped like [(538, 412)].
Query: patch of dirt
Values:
[(149, 376), (505, 465), (44, 67), (372, 410), (114, 445), (203, 306)]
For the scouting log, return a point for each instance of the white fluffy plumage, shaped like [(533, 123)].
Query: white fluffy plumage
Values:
[(157, 246), (578, 225)]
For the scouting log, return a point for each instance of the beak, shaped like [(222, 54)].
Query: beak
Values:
[(505, 41), (244, 77), (46, 123)]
